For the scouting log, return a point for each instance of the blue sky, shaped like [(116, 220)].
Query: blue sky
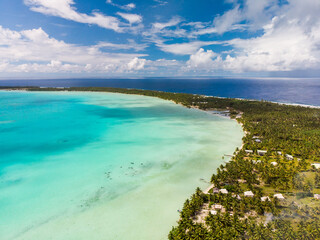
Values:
[(120, 38)]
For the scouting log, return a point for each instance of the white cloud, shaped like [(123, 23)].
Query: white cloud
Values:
[(201, 60), (34, 51), (131, 18), (136, 64), (127, 7), (185, 48), (172, 22), (126, 46), (226, 21), (66, 10)]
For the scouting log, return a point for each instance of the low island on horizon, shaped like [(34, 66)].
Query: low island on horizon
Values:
[(270, 189)]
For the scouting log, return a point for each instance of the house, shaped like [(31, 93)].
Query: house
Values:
[(238, 197), (317, 196), (255, 162), (218, 206), (213, 212), (224, 191), (316, 165), (249, 151), (279, 153), (257, 140), (248, 194), (215, 190), (289, 157), (279, 196), (265, 198), (261, 152), (274, 163)]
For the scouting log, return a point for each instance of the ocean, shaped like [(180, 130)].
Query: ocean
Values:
[(79, 165), (285, 90)]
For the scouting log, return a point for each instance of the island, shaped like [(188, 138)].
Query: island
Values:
[(270, 189)]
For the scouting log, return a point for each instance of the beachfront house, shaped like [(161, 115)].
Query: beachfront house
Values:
[(265, 198), (224, 191), (279, 196), (249, 151), (261, 152), (274, 163), (317, 196), (248, 194), (316, 165), (289, 157)]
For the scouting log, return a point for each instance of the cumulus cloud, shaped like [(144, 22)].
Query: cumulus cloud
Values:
[(201, 60), (289, 42), (35, 51), (136, 64)]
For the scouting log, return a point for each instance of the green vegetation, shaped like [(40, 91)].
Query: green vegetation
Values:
[(290, 137)]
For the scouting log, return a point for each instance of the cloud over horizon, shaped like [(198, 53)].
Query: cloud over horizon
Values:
[(244, 36)]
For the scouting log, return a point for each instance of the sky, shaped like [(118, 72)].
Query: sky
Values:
[(169, 38)]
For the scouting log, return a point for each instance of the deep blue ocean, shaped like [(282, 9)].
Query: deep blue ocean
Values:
[(299, 91)]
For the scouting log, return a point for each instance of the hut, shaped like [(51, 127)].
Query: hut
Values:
[(213, 212), (289, 157), (316, 165), (215, 190), (317, 196), (265, 198), (224, 191), (261, 152), (217, 207), (279, 196), (248, 194)]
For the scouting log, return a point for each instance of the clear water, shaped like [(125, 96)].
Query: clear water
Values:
[(102, 166)]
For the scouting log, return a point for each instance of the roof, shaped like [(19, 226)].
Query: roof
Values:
[(248, 193), (225, 191), (279, 196), (213, 212), (316, 165), (265, 198)]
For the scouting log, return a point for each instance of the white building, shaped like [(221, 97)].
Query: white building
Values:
[(218, 206), (257, 140), (317, 196), (279, 153), (213, 212), (248, 194), (224, 191), (316, 165), (248, 151), (265, 198), (274, 163), (261, 152), (289, 157), (279, 196)]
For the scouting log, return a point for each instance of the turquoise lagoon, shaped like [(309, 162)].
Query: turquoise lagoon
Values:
[(78, 165)]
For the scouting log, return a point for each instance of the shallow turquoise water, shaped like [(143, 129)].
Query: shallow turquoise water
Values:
[(102, 166)]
